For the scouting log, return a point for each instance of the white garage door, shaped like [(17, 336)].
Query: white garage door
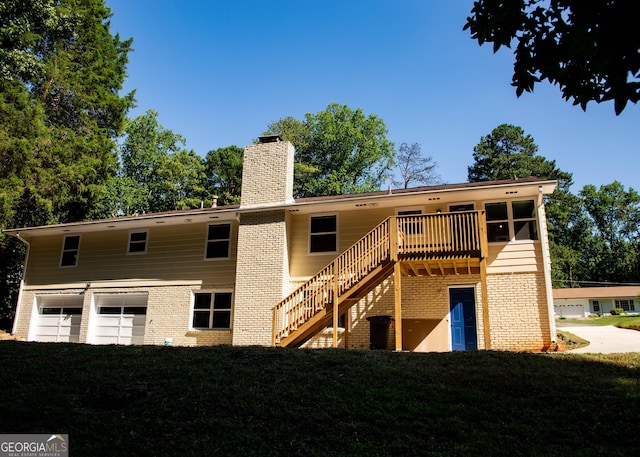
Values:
[(120, 319), (58, 319)]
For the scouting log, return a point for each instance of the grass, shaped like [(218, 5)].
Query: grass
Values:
[(250, 401), (567, 340), (622, 321)]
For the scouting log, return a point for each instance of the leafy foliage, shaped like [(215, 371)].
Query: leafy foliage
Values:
[(224, 171), (61, 71), (590, 49), (338, 151), (614, 213), (413, 167), (156, 172)]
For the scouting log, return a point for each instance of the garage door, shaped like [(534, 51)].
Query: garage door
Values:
[(120, 319), (58, 319)]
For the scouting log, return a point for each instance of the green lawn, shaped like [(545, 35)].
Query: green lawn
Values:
[(623, 321), (231, 401)]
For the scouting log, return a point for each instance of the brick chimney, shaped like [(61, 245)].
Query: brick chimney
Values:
[(267, 173), (262, 266)]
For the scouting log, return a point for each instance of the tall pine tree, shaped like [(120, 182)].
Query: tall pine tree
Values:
[(61, 71)]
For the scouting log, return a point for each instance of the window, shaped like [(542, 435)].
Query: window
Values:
[(497, 221), (524, 220), (218, 236), (596, 306), (212, 310), (411, 226), (514, 221), (137, 242), (70, 249), (626, 305), (461, 207), (323, 234)]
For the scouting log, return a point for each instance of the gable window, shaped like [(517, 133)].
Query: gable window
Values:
[(323, 233), (70, 249), (212, 310), (218, 237), (137, 242), (511, 221)]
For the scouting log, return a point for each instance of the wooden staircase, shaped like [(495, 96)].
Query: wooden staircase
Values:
[(421, 243)]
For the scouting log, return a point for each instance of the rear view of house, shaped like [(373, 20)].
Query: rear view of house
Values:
[(440, 268)]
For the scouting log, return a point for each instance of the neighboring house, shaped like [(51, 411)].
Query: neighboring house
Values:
[(450, 267), (584, 301)]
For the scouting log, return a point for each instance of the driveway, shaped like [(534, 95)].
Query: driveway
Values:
[(604, 339)]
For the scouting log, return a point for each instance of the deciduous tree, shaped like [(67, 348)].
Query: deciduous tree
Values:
[(414, 167), (224, 173), (591, 49), (338, 151)]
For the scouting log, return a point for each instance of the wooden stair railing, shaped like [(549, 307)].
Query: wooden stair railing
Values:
[(349, 273), (346, 270)]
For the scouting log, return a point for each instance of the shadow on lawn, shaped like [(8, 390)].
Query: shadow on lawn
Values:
[(147, 400)]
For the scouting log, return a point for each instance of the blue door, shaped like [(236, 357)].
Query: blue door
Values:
[(462, 305)]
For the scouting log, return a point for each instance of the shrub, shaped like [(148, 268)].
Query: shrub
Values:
[(617, 311)]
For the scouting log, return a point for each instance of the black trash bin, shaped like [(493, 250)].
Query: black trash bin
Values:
[(379, 331)]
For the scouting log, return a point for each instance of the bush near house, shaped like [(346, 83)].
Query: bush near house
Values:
[(253, 401)]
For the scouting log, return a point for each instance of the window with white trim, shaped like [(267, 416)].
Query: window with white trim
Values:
[(514, 220), (626, 305), (70, 250), (596, 306), (218, 241), (137, 242), (323, 233), (212, 310)]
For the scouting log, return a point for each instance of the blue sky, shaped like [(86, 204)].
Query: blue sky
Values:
[(219, 71)]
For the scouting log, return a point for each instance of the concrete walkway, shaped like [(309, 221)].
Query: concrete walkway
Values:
[(604, 339)]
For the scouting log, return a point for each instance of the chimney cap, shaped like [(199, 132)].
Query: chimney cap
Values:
[(269, 139)]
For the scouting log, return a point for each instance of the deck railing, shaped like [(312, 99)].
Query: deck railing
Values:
[(445, 233), (417, 235)]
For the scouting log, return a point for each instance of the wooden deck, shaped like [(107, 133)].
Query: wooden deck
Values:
[(417, 245)]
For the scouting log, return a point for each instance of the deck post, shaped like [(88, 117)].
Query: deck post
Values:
[(397, 289), (484, 247), (336, 275), (393, 238)]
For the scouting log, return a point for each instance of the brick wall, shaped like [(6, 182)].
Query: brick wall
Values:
[(262, 275), (168, 313), (267, 174), (518, 313)]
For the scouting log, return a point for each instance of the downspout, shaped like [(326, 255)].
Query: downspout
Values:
[(21, 288), (546, 264)]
